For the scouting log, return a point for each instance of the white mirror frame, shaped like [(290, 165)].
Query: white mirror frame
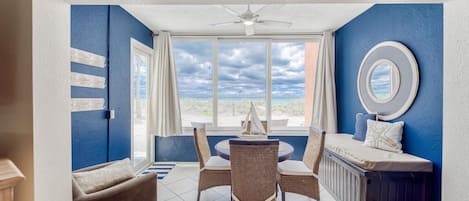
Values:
[(415, 80), (395, 81)]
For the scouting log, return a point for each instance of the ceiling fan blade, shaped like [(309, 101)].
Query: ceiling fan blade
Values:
[(260, 9), (274, 23), (249, 29), (225, 23), (231, 11)]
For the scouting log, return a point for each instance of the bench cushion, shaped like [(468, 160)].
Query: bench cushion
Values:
[(374, 159), (292, 167)]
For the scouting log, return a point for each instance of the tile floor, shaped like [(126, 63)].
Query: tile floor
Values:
[(181, 185)]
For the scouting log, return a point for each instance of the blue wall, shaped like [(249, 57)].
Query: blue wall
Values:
[(89, 28), (420, 28), (182, 148), (123, 26), (104, 30)]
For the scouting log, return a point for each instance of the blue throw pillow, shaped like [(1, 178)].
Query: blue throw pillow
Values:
[(360, 125)]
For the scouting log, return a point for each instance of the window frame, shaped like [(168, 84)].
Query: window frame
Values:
[(215, 129)]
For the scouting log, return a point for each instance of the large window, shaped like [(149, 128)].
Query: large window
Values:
[(218, 78), (241, 80), (293, 76), (194, 74)]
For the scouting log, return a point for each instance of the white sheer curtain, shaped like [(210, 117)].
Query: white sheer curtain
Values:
[(324, 105), (164, 110)]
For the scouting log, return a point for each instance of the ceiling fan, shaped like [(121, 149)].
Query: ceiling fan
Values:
[(249, 19)]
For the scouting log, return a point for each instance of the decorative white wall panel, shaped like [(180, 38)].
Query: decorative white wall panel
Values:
[(87, 58), (456, 101), (84, 80), (87, 104)]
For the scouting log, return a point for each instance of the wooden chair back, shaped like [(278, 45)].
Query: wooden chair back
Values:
[(201, 145), (314, 149), (253, 169)]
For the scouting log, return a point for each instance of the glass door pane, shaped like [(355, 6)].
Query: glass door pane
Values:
[(139, 89)]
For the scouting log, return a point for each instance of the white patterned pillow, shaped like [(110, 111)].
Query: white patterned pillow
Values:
[(384, 135)]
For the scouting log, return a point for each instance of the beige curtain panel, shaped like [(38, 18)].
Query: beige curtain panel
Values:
[(324, 105), (164, 110)]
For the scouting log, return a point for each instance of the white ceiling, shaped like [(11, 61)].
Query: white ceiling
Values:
[(196, 19), (207, 2)]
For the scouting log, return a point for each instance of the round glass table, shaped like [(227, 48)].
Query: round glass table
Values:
[(285, 150)]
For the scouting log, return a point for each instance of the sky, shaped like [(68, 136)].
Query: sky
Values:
[(241, 69), (381, 81), (140, 72)]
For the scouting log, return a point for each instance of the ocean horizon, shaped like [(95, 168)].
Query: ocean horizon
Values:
[(277, 101)]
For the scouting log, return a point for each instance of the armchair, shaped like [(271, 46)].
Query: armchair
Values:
[(140, 188)]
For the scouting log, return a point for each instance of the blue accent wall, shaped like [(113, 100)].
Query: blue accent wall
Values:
[(89, 29), (104, 30), (123, 26), (182, 148), (420, 28)]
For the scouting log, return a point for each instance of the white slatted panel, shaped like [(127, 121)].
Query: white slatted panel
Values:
[(84, 80), (87, 104), (343, 184), (87, 58)]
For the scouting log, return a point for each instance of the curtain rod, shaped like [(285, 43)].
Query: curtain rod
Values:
[(242, 35)]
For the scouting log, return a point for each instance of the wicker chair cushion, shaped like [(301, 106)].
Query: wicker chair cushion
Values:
[(217, 163), (292, 167)]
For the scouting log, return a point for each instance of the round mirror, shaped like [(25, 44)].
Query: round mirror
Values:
[(388, 80), (383, 81)]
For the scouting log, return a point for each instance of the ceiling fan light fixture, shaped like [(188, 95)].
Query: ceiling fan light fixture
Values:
[(248, 22), (249, 19)]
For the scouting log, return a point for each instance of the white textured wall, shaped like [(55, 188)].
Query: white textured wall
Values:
[(51, 105), (456, 102)]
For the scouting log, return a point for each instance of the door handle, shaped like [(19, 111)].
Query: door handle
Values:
[(111, 114)]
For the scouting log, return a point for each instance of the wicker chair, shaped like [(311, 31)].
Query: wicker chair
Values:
[(214, 170), (253, 169), (301, 177)]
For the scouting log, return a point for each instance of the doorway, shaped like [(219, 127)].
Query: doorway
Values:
[(141, 60)]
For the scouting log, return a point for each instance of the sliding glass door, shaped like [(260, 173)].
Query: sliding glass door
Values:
[(141, 59)]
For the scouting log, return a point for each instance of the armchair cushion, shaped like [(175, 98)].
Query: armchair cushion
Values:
[(292, 167), (98, 179)]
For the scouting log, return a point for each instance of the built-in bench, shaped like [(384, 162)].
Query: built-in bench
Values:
[(351, 171)]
